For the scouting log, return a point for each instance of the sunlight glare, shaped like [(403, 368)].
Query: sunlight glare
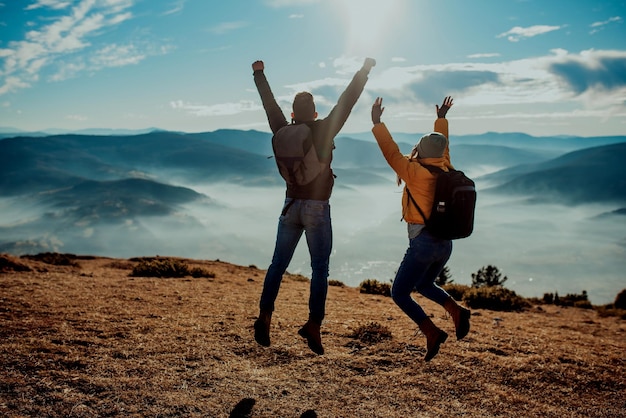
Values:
[(368, 23)]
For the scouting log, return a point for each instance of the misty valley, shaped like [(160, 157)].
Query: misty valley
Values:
[(551, 211)]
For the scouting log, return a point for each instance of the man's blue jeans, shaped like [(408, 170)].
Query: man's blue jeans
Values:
[(422, 263), (313, 218)]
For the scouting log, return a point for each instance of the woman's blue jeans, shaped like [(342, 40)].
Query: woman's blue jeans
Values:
[(422, 263), (313, 218)]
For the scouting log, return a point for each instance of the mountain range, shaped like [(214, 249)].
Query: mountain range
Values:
[(81, 185)]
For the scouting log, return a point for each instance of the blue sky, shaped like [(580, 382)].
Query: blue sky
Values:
[(535, 66)]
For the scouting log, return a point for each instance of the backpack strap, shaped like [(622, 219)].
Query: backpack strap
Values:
[(410, 198), (432, 169)]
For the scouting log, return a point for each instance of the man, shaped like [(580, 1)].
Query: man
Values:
[(306, 208)]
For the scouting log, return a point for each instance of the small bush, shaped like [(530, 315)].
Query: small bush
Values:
[(573, 299), (610, 310), (620, 300), (495, 298), (337, 283), (54, 259), (167, 268), (198, 272), (298, 277), (371, 333), (8, 263), (457, 291), (374, 287)]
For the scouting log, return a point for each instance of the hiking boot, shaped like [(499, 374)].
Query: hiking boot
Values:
[(460, 316), (434, 338), (311, 331), (262, 328)]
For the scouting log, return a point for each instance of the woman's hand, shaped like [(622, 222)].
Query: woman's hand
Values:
[(446, 105), (377, 110)]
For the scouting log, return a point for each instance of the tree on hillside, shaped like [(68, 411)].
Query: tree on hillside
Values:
[(487, 277), (444, 277)]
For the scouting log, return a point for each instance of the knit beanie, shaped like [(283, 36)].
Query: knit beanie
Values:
[(432, 145)]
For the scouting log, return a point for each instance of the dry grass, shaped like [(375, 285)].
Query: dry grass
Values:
[(87, 340)]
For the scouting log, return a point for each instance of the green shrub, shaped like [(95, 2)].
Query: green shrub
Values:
[(457, 291), (620, 300), (55, 259), (167, 268), (444, 277), (298, 277), (374, 287), (198, 272), (548, 298), (336, 283), (495, 298), (573, 299), (487, 277), (609, 310), (371, 333)]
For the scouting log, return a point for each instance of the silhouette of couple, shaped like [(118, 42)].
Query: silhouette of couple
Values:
[(307, 210)]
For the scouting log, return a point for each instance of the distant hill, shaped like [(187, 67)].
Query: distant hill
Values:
[(36, 164), (553, 144), (97, 215), (590, 175), (30, 164)]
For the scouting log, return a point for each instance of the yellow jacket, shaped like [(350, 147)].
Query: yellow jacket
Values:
[(418, 179)]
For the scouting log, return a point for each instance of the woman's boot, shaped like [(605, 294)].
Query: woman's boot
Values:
[(460, 316), (434, 337), (262, 328)]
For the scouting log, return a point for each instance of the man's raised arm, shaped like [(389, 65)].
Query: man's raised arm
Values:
[(275, 115)]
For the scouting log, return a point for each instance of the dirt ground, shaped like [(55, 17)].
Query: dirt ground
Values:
[(88, 340)]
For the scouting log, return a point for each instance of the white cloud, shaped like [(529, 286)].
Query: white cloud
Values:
[(347, 65), (518, 32), (483, 55), (52, 4), (606, 22), (598, 26), (398, 59), (225, 27), (117, 56), (76, 118), (56, 43), (558, 84), (176, 7), (296, 16), (223, 109), (11, 84), (287, 3)]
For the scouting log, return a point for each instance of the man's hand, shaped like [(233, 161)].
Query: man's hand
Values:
[(369, 63), (258, 65), (445, 106), (377, 110)]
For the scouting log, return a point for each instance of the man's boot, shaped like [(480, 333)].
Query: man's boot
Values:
[(460, 316), (311, 331), (434, 338), (262, 328)]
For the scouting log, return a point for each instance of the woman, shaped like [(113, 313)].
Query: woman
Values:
[(426, 255)]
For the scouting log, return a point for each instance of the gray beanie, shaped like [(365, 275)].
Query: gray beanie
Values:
[(431, 145)]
